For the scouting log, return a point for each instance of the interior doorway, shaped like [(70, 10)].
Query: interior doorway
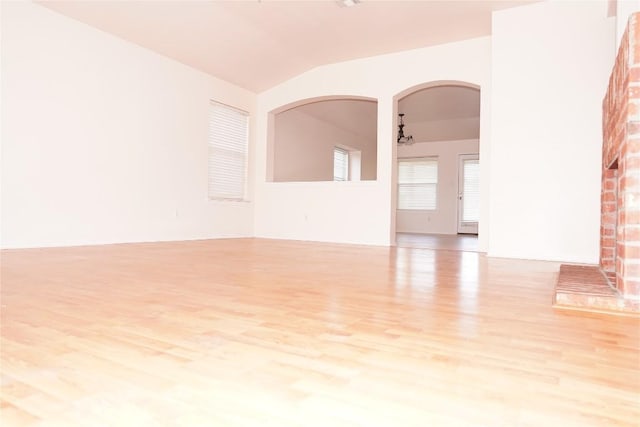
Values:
[(436, 167)]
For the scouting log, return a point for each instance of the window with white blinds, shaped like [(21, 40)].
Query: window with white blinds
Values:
[(228, 140), (418, 183), (340, 164)]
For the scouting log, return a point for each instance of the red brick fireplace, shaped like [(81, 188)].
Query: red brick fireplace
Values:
[(614, 286), (620, 200)]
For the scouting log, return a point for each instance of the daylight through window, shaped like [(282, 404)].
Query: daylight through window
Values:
[(418, 183), (340, 164), (228, 141)]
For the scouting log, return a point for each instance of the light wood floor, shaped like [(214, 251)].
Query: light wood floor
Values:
[(273, 333), (453, 242)]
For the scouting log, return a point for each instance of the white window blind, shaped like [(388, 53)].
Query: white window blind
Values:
[(340, 164), (228, 140), (417, 183), (471, 191)]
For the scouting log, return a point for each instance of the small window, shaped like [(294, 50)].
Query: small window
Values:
[(340, 164), (228, 141), (418, 183)]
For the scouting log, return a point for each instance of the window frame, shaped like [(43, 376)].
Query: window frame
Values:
[(223, 152), (425, 185), (347, 159)]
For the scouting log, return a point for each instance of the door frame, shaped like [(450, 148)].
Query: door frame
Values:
[(464, 227)]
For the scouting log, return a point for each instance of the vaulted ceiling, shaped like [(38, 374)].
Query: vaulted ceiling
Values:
[(259, 44)]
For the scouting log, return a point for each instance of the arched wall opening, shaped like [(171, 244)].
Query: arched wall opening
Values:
[(329, 138), (443, 117), (359, 212)]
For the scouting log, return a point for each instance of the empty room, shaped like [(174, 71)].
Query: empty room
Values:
[(320, 213)]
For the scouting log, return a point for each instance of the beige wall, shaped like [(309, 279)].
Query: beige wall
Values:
[(103, 141), (442, 220)]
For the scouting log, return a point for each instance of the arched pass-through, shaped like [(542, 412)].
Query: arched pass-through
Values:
[(304, 138), (443, 119)]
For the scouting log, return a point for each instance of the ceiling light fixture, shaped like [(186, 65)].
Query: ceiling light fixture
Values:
[(408, 140), (348, 3)]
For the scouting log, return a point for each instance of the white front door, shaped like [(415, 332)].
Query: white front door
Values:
[(468, 194)]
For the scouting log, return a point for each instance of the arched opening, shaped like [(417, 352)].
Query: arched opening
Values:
[(436, 166), (330, 138)]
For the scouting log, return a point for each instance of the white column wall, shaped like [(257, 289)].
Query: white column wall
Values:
[(550, 63)]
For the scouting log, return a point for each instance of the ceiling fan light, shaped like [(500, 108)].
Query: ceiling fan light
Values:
[(348, 3), (402, 139), (406, 140)]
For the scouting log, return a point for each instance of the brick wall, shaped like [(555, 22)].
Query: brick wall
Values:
[(620, 197)]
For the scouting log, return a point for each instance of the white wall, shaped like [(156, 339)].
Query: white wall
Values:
[(550, 64), (303, 148), (103, 141), (444, 219), (359, 212), (624, 9)]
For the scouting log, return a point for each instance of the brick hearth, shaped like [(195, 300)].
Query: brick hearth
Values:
[(588, 288)]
